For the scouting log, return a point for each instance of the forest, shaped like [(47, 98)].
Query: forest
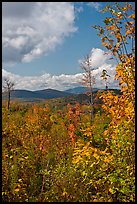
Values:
[(64, 154)]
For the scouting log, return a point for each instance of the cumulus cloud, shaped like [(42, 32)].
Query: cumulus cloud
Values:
[(99, 60), (60, 82), (32, 29)]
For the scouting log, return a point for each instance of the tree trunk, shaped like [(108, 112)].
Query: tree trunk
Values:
[(106, 87), (91, 102), (8, 100)]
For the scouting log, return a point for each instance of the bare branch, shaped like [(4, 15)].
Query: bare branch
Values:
[(88, 79), (8, 86)]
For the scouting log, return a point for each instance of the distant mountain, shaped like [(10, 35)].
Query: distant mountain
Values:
[(26, 95), (35, 96), (51, 93), (80, 90)]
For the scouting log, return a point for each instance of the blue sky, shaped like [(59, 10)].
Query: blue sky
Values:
[(45, 41)]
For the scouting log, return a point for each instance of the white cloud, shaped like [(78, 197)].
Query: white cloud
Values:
[(32, 29), (95, 5), (18, 42), (99, 59), (46, 80)]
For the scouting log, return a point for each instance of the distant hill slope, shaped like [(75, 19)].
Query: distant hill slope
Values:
[(70, 94), (52, 93), (80, 98), (80, 90), (24, 94), (33, 95)]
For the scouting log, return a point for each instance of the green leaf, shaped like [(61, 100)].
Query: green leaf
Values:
[(107, 21)]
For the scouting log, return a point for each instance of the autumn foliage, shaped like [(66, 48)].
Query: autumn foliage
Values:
[(58, 155)]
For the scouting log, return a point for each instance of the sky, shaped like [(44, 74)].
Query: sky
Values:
[(43, 44)]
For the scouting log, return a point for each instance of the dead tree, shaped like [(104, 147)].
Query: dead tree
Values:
[(8, 86), (88, 80)]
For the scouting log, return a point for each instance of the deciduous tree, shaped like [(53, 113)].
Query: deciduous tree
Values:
[(105, 77)]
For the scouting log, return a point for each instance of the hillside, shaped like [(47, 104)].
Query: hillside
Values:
[(25, 95), (68, 96), (79, 90)]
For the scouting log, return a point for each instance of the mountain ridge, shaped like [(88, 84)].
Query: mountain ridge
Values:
[(79, 90), (40, 94), (27, 95)]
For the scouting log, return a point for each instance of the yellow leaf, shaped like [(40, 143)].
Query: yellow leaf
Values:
[(103, 39), (64, 193), (17, 190), (110, 190), (96, 155), (76, 160), (104, 43), (19, 180), (132, 16), (92, 164)]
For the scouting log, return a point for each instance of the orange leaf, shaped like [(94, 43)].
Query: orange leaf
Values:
[(128, 32)]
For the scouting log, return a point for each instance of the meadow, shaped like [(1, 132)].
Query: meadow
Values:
[(58, 155)]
